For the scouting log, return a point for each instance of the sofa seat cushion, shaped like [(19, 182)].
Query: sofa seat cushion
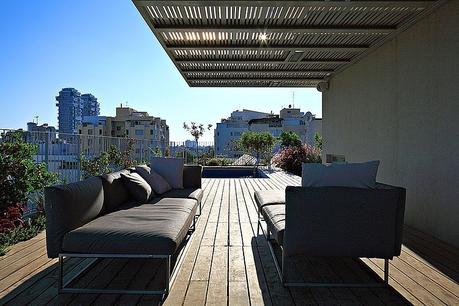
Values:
[(269, 197), (274, 216), (187, 193), (157, 229)]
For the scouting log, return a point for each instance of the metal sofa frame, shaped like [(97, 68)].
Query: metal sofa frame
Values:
[(64, 287)]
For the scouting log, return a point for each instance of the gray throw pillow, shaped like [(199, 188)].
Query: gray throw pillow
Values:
[(171, 169), (137, 187), (357, 175), (157, 183)]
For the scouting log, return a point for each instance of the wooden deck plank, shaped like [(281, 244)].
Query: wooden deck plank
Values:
[(218, 282), (226, 262)]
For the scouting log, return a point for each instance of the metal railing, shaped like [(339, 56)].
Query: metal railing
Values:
[(63, 153)]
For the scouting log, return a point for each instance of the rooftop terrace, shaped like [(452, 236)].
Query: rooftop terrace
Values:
[(225, 262)]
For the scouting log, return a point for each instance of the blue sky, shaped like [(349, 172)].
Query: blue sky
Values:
[(104, 47)]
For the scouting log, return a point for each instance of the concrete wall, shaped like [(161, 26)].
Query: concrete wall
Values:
[(400, 105)]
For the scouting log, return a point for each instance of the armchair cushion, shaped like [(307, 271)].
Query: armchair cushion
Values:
[(274, 216), (269, 197)]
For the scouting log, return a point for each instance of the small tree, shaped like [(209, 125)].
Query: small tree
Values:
[(256, 143), (318, 141), (289, 139), (196, 130)]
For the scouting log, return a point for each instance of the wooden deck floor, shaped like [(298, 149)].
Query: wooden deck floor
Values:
[(227, 263)]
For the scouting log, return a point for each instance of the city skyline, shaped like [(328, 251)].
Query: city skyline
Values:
[(124, 63)]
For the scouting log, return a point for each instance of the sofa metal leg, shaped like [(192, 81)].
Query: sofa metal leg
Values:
[(168, 274), (61, 274), (386, 271)]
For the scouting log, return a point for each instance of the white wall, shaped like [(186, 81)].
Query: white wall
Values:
[(400, 105)]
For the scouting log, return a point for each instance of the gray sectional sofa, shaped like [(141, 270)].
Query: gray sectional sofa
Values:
[(98, 218), (332, 222)]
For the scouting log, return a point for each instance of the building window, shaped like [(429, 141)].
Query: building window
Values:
[(139, 132), (89, 132), (118, 128), (100, 132), (152, 132), (127, 132)]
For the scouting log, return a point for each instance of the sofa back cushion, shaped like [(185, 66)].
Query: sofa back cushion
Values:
[(171, 169), (137, 187), (69, 207), (357, 175), (115, 193), (157, 183)]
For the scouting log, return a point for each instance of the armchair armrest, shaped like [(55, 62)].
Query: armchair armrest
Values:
[(342, 221), (192, 176)]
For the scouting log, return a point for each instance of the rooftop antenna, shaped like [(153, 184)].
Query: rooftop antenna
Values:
[(293, 98)]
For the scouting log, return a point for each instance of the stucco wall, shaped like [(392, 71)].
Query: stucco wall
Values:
[(400, 105)]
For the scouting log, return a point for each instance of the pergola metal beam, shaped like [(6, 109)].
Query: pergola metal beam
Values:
[(261, 61), (306, 3), (341, 48), (258, 79), (275, 29), (259, 71)]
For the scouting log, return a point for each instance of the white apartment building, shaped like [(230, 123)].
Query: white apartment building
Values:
[(228, 130), (231, 128)]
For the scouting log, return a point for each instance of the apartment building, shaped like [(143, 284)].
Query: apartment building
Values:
[(231, 128), (149, 132), (305, 125)]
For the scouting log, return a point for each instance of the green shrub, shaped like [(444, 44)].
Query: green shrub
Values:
[(291, 159), (20, 177), (289, 139), (108, 161), (29, 230)]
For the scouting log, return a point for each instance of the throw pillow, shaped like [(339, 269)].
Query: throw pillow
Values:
[(137, 187), (171, 169), (157, 183)]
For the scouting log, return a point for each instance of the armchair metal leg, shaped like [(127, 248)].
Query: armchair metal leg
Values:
[(386, 271)]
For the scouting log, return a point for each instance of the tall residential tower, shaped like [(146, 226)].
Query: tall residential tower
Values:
[(72, 106)]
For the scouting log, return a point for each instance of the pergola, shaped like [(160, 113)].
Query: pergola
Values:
[(273, 43)]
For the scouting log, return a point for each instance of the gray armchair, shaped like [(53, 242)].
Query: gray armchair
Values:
[(335, 222)]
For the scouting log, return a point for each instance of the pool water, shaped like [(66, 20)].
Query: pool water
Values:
[(231, 172)]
